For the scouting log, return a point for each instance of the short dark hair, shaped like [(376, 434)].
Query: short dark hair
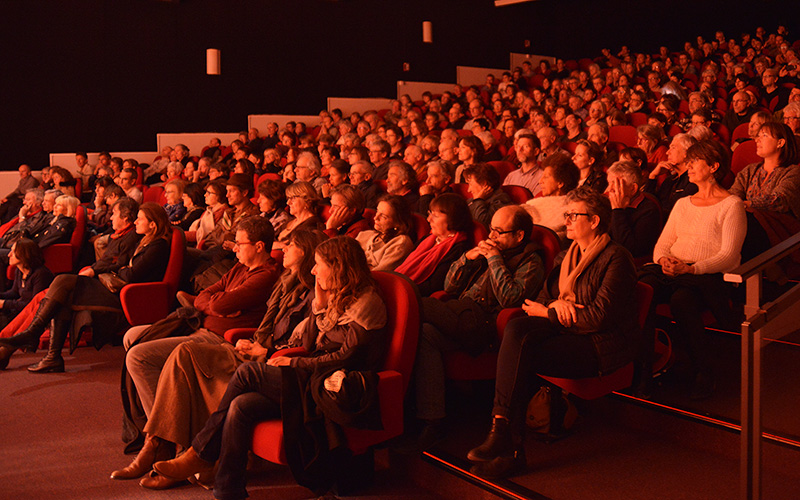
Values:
[(196, 193), (242, 182), (456, 209), (273, 190), (128, 208), (115, 190), (564, 171), (483, 173), (712, 152), (29, 254), (521, 221), (474, 144), (258, 229)]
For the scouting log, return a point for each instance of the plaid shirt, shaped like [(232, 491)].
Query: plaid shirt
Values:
[(510, 287)]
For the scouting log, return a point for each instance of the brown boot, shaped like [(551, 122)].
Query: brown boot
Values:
[(154, 449), (184, 466)]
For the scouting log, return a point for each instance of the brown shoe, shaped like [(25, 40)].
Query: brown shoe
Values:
[(155, 481), (184, 466), (154, 449)]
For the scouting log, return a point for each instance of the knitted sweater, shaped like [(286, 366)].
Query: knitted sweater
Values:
[(710, 238)]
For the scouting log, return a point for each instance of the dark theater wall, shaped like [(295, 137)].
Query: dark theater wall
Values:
[(110, 74)]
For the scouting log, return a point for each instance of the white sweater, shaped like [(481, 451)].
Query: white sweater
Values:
[(548, 211), (710, 238)]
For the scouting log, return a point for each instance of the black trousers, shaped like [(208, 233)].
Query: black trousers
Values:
[(534, 346), (253, 395), (688, 295)]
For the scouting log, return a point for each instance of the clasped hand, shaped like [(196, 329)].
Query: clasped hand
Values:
[(485, 248), (674, 267)]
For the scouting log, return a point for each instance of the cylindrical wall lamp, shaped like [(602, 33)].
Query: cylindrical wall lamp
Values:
[(427, 32), (213, 65)]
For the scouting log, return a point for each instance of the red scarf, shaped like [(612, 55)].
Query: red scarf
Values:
[(122, 232), (420, 265)]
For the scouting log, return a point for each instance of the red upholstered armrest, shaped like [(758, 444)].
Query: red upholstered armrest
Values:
[(441, 295), (191, 236), (505, 316), (235, 334), (58, 258), (291, 352), (146, 303)]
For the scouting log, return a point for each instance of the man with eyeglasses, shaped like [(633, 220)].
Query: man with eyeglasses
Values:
[(739, 112), (501, 271), (379, 152), (791, 117), (237, 300)]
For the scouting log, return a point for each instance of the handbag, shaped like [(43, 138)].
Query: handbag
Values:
[(112, 281), (540, 412)]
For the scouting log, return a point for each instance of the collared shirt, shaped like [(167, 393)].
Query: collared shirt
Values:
[(528, 179)]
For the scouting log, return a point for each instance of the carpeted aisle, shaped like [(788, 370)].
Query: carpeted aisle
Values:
[(60, 439)]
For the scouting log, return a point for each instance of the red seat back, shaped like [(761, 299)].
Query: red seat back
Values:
[(503, 168), (626, 134), (518, 194), (550, 243), (744, 155), (741, 132)]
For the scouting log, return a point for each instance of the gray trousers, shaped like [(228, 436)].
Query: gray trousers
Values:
[(145, 361)]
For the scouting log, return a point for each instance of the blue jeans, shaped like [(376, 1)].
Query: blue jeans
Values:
[(253, 395)]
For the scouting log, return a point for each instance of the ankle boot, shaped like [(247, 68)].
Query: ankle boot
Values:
[(183, 467), (5, 355), (154, 450), (53, 362), (499, 442), (28, 339)]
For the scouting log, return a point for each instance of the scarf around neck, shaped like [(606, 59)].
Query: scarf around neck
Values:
[(575, 262)]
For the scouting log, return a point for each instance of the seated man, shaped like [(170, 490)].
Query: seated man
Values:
[(127, 181), (402, 181), (529, 172), (440, 176), (10, 205), (361, 177), (33, 219), (635, 219), (483, 183), (501, 271), (238, 300)]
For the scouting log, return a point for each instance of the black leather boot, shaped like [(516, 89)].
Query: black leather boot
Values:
[(53, 362), (28, 339), (498, 443)]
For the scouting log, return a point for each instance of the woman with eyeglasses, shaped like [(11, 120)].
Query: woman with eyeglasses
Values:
[(701, 240), (580, 326)]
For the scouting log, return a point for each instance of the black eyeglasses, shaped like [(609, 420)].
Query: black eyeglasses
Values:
[(500, 232), (572, 217)]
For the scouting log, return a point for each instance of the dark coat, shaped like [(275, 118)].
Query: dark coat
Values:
[(606, 290)]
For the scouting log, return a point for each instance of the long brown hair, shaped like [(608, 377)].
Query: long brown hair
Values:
[(350, 274), (307, 241), (154, 212)]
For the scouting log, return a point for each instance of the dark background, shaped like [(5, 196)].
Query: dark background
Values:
[(110, 74)]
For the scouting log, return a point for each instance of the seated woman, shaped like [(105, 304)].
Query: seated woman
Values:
[(193, 201), (344, 331), (347, 207), (196, 374), (215, 201), (63, 180), (303, 202), (483, 183), (560, 176), (450, 223), (60, 228), (30, 277), (338, 172), (770, 188), (69, 292), (635, 218), (389, 243), (173, 192), (272, 203), (470, 151), (701, 240), (669, 180), (588, 158), (757, 119), (580, 325), (650, 139)]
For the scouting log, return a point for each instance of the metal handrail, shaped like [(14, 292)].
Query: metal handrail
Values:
[(754, 327)]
